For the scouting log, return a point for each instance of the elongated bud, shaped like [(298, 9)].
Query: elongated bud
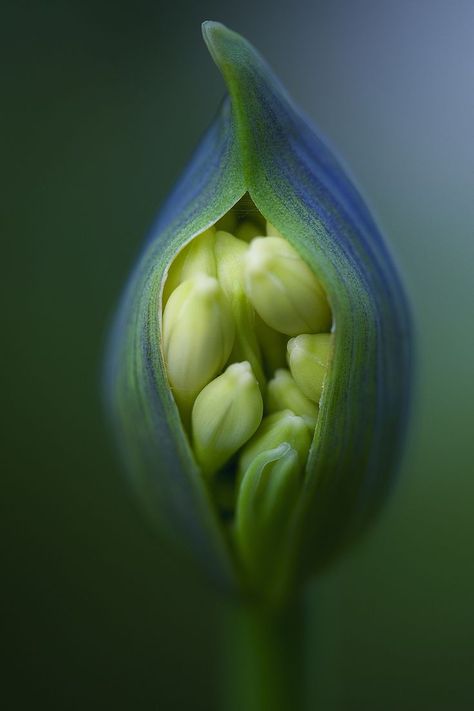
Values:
[(275, 429), (308, 358), (265, 502), (230, 255), (283, 393), (196, 258), (198, 334), (283, 289), (225, 415), (247, 230)]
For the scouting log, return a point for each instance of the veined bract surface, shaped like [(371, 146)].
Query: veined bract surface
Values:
[(260, 146)]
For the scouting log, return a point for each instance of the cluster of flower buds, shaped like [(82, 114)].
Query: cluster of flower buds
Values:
[(246, 342)]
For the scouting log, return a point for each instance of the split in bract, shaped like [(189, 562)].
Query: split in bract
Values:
[(246, 337)]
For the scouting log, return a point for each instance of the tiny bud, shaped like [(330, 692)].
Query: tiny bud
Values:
[(283, 289), (308, 358), (247, 230), (265, 503), (283, 393), (230, 254), (225, 415), (197, 257), (198, 334), (275, 429)]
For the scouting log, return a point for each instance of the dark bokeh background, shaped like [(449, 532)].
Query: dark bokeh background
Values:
[(101, 105)]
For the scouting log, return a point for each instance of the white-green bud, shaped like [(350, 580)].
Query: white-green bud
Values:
[(230, 254), (308, 358), (283, 289), (225, 415), (266, 499), (283, 393), (197, 257), (275, 429), (198, 334), (247, 230)]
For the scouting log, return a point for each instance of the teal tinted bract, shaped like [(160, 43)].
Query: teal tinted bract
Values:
[(261, 145)]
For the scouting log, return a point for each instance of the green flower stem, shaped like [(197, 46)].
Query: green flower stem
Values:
[(263, 659)]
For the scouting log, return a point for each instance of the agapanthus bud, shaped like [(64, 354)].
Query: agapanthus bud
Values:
[(247, 230), (225, 415), (261, 161), (198, 334), (308, 358), (283, 289), (283, 393), (275, 429), (195, 258), (265, 503), (230, 255)]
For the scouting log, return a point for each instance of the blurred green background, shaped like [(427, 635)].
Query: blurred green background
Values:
[(102, 104)]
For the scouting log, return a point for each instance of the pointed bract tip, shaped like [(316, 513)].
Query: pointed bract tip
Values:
[(210, 29), (224, 45)]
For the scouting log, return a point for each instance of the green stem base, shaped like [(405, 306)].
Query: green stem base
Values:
[(263, 659)]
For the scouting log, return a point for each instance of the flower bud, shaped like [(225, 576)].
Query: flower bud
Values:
[(308, 358), (261, 161), (283, 289), (198, 334), (230, 254), (275, 429), (225, 415), (283, 393), (265, 503), (247, 230), (197, 257)]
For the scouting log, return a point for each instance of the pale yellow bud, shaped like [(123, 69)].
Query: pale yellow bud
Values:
[(197, 257), (283, 289), (198, 334), (230, 255), (283, 393), (225, 415), (275, 429), (247, 230), (308, 358)]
